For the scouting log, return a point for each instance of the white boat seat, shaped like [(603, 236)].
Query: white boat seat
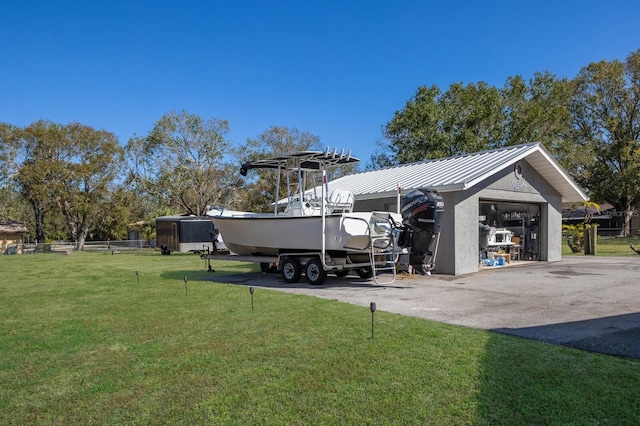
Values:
[(340, 201)]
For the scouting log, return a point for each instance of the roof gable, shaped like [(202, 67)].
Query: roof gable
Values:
[(459, 173)]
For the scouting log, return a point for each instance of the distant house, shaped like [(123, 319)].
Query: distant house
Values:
[(609, 220), (11, 233), (136, 237)]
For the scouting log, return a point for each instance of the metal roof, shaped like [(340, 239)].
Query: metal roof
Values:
[(12, 227), (459, 173)]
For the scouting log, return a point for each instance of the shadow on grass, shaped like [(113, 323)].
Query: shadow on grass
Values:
[(275, 281), (520, 384), (527, 382), (232, 268)]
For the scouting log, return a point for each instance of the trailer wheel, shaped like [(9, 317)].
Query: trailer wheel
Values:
[(316, 274), (291, 270), (365, 272)]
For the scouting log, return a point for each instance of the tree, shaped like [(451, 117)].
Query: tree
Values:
[(606, 114), (415, 132), (63, 171), (84, 177), (381, 158), (9, 147), (471, 118), (475, 117), (115, 216), (31, 156), (433, 124), (14, 207), (537, 111), (181, 161)]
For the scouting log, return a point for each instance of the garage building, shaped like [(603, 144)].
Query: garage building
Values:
[(515, 193)]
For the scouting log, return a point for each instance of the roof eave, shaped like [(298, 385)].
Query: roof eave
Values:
[(389, 194)]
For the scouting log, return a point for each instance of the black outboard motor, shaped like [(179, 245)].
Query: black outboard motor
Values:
[(422, 211)]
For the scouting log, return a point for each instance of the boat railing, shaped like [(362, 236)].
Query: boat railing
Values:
[(341, 200), (378, 240)]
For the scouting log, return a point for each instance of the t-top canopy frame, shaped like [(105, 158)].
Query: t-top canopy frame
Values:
[(303, 161)]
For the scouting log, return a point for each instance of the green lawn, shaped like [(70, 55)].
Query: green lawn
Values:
[(83, 342), (609, 246)]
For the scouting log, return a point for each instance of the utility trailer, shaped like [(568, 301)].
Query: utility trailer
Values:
[(186, 233)]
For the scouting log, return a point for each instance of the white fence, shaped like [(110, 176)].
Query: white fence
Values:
[(119, 245), (68, 247)]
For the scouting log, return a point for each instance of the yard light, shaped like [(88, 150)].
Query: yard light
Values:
[(185, 286), (251, 290), (138, 276), (372, 308)]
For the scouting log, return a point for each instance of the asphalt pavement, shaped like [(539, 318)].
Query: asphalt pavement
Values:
[(586, 302)]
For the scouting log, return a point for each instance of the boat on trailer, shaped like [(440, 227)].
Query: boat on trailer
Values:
[(314, 232)]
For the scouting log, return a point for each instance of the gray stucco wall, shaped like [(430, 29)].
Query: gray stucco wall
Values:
[(554, 228), (446, 254)]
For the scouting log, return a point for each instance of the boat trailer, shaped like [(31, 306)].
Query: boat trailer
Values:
[(383, 255)]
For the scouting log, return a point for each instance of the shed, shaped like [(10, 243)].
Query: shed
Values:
[(518, 190), (11, 233)]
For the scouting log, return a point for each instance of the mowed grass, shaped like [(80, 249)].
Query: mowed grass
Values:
[(83, 342), (609, 246)]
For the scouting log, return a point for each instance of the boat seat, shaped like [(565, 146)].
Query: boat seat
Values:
[(340, 201)]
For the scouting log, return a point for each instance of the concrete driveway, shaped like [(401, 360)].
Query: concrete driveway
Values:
[(591, 303)]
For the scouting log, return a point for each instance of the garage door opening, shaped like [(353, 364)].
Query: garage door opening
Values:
[(509, 228)]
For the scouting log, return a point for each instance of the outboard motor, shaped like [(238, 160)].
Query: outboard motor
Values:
[(422, 211)]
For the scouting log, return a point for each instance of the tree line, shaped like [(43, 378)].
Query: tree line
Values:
[(74, 182), (590, 124)]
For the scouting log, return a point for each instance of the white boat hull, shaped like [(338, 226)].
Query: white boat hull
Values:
[(269, 235)]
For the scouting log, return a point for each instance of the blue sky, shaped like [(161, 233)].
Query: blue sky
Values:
[(336, 69)]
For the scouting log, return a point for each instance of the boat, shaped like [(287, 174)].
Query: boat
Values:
[(311, 230)]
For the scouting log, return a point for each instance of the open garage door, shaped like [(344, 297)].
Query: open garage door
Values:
[(512, 228)]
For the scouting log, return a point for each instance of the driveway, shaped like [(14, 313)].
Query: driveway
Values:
[(591, 303)]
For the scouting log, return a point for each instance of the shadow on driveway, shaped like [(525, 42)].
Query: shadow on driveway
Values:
[(615, 335)]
